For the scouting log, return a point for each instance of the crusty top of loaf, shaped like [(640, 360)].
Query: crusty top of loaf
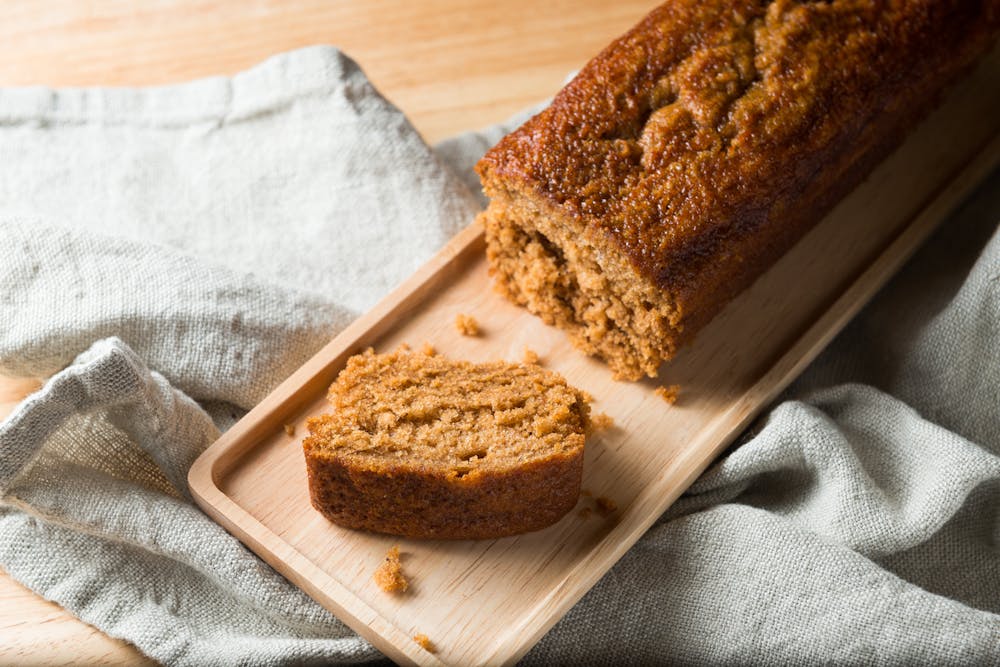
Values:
[(711, 115)]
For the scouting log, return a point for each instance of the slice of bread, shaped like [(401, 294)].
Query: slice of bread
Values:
[(422, 446)]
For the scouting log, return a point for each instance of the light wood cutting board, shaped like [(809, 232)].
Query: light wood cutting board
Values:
[(490, 601)]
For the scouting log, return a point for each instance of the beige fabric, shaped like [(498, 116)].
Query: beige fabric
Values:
[(190, 246)]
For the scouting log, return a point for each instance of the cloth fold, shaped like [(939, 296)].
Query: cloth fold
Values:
[(201, 222), (178, 251), (96, 514)]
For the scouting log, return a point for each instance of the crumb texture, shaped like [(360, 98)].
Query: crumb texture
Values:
[(670, 393), (601, 422), (389, 575), (424, 446), (692, 152), (466, 325), (425, 642), (606, 506)]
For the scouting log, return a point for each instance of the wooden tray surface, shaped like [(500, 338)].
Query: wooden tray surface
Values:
[(488, 602)]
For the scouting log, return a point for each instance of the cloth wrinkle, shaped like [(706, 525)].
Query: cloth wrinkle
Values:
[(172, 253)]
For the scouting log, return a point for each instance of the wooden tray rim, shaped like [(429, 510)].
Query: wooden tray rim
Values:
[(222, 455)]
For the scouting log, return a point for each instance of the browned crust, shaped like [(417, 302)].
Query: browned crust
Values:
[(415, 502), (708, 139)]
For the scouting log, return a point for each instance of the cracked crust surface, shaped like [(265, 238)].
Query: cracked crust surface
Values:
[(423, 446), (693, 151)]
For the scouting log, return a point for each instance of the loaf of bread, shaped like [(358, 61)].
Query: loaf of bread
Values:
[(422, 446), (692, 152)]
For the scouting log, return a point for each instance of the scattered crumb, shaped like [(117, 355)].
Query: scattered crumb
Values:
[(601, 421), (290, 429), (606, 506), (405, 347), (669, 393), (389, 575), (467, 325), (425, 643), (428, 349), (530, 356), (602, 504)]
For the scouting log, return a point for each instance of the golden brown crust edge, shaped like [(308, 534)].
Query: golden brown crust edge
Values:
[(416, 503)]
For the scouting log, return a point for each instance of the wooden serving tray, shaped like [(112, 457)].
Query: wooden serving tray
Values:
[(488, 602)]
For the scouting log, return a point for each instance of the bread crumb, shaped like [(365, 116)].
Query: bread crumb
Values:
[(424, 642), (467, 325), (290, 429), (601, 421), (606, 506), (669, 393), (530, 356), (428, 349), (585, 512), (586, 493), (389, 575), (587, 396)]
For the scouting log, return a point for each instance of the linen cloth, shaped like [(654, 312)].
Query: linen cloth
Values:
[(179, 251)]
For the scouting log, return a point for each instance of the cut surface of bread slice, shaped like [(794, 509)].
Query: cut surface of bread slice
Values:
[(422, 446)]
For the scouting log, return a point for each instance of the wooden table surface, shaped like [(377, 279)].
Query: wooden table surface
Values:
[(450, 65)]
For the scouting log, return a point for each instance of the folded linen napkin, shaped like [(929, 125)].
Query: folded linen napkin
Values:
[(179, 251)]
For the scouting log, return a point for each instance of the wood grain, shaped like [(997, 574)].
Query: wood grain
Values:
[(450, 66), (490, 601), (67, 641)]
